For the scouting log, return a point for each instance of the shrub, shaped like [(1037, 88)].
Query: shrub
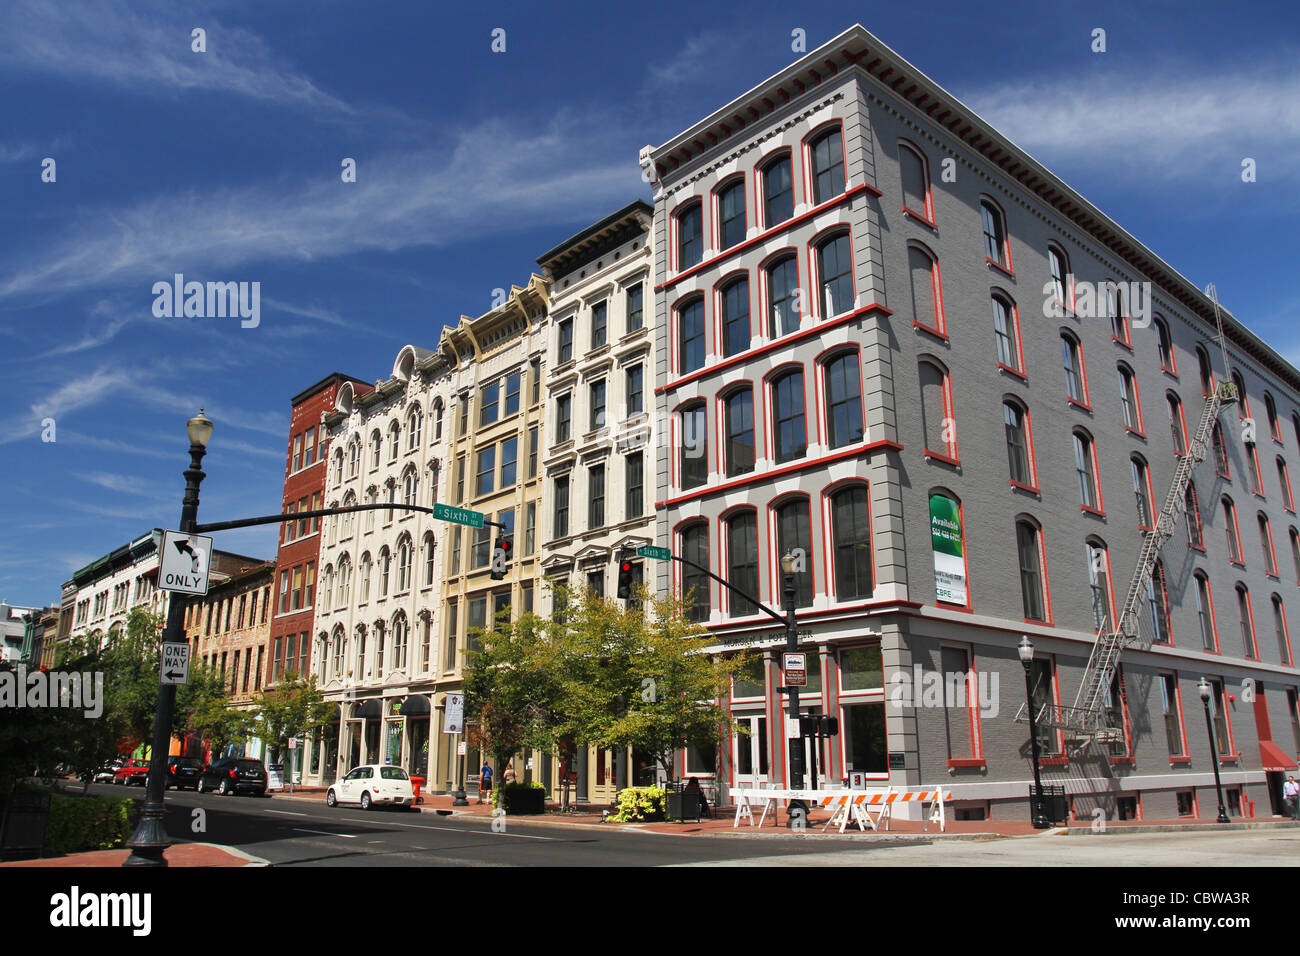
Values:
[(87, 823), (640, 804), (506, 791)]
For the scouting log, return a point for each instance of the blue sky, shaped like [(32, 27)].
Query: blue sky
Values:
[(225, 166)]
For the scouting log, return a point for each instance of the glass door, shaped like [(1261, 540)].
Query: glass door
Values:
[(749, 752)]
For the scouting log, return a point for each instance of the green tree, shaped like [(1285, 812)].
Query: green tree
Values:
[(203, 709), (292, 708)]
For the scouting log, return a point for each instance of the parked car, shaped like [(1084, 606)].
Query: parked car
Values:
[(183, 772), (233, 775), (105, 773), (132, 773), (370, 785)]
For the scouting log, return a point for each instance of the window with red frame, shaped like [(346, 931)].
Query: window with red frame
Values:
[(995, 235), (1280, 631), (937, 412), (1231, 531), (1245, 621), (1020, 452), (826, 153), (1128, 398), (1007, 333), (1252, 466), (1221, 465), (1085, 469), (690, 236), (1098, 561), (1142, 492), (916, 182), (1033, 585), (1270, 409), (1243, 403), (1158, 602), (1284, 482), (1266, 545), (1165, 344), (1076, 377), (1206, 373), (778, 191), (731, 214), (1295, 552), (1119, 325), (1177, 424), (1205, 611), (927, 294), (1060, 269)]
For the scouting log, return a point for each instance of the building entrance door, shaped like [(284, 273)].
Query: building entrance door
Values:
[(600, 783), (355, 728), (749, 752)]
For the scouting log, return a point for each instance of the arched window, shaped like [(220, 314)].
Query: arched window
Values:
[(1158, 602), (1060, 268), (360, 644), (372, 498), (1243, 402), (411, 487), (731, 213), (394, 440), (739, 425), (1232, 532), (790, 436), (385, 565), (326, 591), (1295, 552), (1020, 453), (1221, 465), (1165, 343), (378, 666), (428, 559), (778, 191), (695, 584), (414, 428), (1098, 560), (404, 565), (1177, 424), (995, 235), (843, 387), (400, 640), (349, 501), (1128, 399), (1280, 631), (783, 305), (690, 236), (340, 643), (1033, 590), (1118, 309), (835, 275), (1006, 330), (1142, 492), (376, 448), (827, 155), (927, 294), (916, 182), (1270, 408), (794, 531), (345, 582), (1284, 482), (690, 335), (437, 420), (694, 445), (851, 542), (736, 333), (1205, 370), (1076, 377), (1086, 471), (1245, 621), (936, 411), (338, 467), (1266, 545), (742, 559), (354, 457), (363, 585), (1192, 510)]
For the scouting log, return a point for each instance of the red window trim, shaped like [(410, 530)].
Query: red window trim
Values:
[(1011, 371), (1078, 404), (1001, 268), (941, 336)]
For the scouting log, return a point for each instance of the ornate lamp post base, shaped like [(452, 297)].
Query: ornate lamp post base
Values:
[(149, 840)]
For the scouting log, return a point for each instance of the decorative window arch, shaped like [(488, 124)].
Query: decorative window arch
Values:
[(354, 457), (997, 245), (404, 557), (345, 582), (437, 419), (1165, 345), (414, 427), (692, 344), (848, 507), (411, 486), (739, 449), (729, 211), (840, 371), (776, 173), (825, 148), (732, 300), (385, 563), (376, 448), (430, 551), (401, 639), (688, 224), (394, 440), (363, 582), (914, 169)]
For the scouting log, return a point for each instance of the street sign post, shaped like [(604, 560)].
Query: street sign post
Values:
[(471, 519), (174, 663), (650, 551), (184, 562), (453, 721)]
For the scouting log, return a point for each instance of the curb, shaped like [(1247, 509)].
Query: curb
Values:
[(1185, 828), (235, 852)]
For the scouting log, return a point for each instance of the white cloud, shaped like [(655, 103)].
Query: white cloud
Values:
[(1156, 123)]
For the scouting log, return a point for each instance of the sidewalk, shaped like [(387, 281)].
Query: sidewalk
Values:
[(179, 854)]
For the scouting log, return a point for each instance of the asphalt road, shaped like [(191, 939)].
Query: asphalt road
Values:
[(308, 833)]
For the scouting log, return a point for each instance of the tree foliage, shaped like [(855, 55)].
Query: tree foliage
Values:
[(292, 708)]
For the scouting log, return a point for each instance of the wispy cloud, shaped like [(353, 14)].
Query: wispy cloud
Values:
[(147, 47), (125, 484), (1168, 122)]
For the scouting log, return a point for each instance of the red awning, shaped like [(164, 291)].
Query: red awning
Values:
[(1274, 757)]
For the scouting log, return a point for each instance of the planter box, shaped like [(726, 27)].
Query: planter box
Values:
[(24, 816), (683, 805), (522, 801)]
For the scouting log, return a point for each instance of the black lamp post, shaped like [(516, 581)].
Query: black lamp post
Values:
[(1026, 651), (1204, 688), (789, 595), (150, 837)]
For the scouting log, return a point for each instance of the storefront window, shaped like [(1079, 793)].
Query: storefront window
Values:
[(702, 758), (863, 728), (748, 681), (861, 668)]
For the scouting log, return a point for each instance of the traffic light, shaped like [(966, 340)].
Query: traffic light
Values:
[(626, 579), (500, 558), (830, 726)]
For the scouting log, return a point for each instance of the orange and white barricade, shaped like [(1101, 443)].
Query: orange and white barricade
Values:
[(858, 805)]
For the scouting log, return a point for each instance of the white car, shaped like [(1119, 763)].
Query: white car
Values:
[(370, 785)]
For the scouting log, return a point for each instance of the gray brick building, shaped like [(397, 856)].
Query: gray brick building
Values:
[(888, 337)]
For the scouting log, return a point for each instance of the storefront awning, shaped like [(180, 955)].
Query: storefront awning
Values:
[(417, 705), (368, 709), (1274, 757)]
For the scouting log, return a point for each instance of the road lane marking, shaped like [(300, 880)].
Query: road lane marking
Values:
[(346, 836), (287, 813), (418, 826)]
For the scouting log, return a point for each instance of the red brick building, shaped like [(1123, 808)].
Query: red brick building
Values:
[(294, 588)]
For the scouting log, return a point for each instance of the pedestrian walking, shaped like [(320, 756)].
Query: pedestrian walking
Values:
[(484, 780), (1291, 797)]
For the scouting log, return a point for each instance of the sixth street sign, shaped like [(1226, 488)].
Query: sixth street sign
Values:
[(650, 551), (472, 519)]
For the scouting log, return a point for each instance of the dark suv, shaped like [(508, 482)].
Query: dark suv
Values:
[(183, 772), (234, 775)]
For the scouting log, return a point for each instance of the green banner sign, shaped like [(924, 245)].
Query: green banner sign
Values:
[(650, 551), (473, 519), (946, 543)]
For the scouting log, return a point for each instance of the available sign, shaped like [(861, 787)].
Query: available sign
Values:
[(946, 543)]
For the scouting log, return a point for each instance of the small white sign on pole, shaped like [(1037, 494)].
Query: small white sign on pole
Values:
[(174, 663), (184, 562), (460, 748), (453, 721)]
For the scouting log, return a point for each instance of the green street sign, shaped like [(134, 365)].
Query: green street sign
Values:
[(650, 551), (472, 519)]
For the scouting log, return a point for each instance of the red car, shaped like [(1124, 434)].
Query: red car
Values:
[(132, 772)]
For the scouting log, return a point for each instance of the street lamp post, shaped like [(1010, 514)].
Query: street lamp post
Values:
[(1026, 651), (150, 837), (1204, 688), (790, 598)]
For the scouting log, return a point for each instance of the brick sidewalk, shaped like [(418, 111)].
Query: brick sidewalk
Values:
[(179, 854)]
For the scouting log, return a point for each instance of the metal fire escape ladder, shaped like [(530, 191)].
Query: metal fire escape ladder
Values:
[(1088, 719)]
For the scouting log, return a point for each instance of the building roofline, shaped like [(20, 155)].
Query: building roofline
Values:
[(857, 48), (613, 219), (328, 380)]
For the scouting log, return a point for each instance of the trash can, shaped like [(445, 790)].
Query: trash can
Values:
[(23, 821), (1050, 802), (683, 804)]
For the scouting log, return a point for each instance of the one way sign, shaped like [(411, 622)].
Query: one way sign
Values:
[(175, 667), (184, 563)]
